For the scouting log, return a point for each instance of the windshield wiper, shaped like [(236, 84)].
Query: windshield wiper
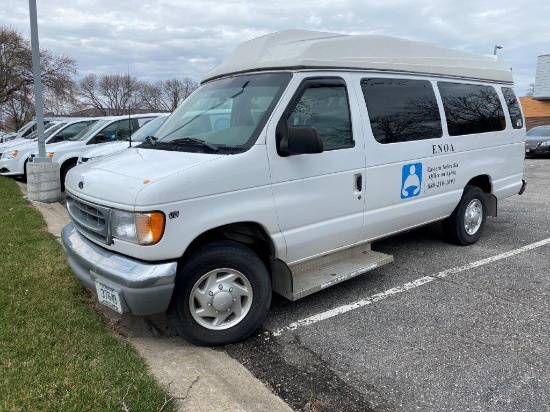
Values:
[(211, 146)]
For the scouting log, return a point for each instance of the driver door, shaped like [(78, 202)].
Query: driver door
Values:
[(319, 197)]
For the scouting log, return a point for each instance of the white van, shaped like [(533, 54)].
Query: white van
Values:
[(329, 142)]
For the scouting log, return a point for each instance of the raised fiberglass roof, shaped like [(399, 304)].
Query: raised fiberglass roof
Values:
[(301, 49)]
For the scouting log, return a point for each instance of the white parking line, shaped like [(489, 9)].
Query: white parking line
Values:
[(403, 288)]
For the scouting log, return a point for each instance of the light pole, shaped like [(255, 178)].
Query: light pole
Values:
[(496, 48), (39, 109), (43, 183)]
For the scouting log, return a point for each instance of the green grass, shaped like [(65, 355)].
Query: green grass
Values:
[(56, 352)]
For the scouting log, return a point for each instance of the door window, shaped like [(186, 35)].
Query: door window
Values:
[(323, 104), (120, 130)]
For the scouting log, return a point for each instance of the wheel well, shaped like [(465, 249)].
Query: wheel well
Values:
[(483, 182), (249, 234), (67, 163)]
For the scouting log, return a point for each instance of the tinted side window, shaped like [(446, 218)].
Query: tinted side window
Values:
[(119, 130), (513, 107), (401, 110), (326, 108), (471, 108), (71, 130)]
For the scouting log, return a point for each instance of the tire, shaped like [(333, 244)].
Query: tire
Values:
[(220, 278), (466, 223)]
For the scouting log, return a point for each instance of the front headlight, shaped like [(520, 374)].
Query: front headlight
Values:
[(547, 143), (10, 155), (139, 228)]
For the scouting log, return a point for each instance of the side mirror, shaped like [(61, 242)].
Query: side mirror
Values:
[(301, 140)]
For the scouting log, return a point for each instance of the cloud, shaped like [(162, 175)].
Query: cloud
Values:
[(174, 38)]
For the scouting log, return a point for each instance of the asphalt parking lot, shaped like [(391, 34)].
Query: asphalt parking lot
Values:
[(443, 328)]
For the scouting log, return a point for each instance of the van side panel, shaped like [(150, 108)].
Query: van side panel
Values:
[(442, 167)]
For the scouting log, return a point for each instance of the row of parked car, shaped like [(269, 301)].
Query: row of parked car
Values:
[(72, 141)]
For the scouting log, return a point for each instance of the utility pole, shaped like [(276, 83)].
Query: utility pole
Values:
[(43, 183), (39, 109)]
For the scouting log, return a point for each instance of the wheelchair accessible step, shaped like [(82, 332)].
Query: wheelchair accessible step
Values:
[(320, 273)]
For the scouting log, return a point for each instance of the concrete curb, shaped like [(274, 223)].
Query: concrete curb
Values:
[(207, 379)]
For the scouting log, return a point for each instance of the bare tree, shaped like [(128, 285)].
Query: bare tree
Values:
[(166, 95), (17, 108), (110, 94), (16, 77)]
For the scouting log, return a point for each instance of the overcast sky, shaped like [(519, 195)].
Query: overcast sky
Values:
[(175, 38)]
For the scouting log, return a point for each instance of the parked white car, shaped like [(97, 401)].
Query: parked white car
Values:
[(13, 160), (137, 138), (108, 129), (30, 137), (331, 142), (28, 128)]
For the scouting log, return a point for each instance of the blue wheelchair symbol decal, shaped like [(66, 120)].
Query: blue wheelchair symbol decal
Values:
[(411, 180)]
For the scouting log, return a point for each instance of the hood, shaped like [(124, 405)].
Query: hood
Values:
[(11, 143), (62, 145), (106, 149), (27, 144), (116, 180), (52, 147), (537, 139)]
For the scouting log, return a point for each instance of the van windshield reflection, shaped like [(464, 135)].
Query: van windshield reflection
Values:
[(226, 113)]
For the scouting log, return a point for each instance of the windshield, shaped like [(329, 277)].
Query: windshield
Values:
[(539, 132), (225, 113), (148, 129), (90, 130), (26, 126)]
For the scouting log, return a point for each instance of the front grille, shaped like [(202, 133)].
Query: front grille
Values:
[(90, 219)]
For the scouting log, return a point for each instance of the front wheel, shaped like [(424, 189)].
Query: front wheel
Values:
[(466, 223), (222, 295)]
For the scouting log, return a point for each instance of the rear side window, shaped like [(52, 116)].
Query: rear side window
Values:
[(471, 108), (401, 110), (323, 104), (513, 107)]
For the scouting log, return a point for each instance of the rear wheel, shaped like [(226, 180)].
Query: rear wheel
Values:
[(222, 295), (467, 221)]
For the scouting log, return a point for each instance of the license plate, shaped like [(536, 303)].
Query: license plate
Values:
[(527, 150), (109, 296)]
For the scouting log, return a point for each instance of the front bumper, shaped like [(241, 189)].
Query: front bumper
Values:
[(537, 150), (8, 167), (146, 288)]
